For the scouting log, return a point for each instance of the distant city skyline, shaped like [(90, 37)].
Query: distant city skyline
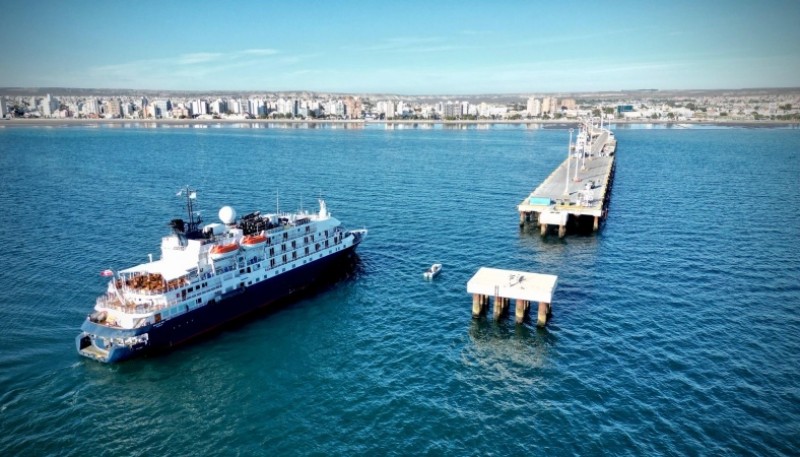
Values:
[(405, 48)]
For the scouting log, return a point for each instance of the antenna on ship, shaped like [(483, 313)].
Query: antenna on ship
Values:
[(192, 223), (277, 202)]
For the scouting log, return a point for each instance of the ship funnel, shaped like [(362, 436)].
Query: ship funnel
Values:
[(323, 209)]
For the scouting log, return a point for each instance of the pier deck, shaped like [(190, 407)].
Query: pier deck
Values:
[(576, 198)]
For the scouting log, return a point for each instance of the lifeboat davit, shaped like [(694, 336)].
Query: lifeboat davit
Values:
[(253, 241), (223, 251)]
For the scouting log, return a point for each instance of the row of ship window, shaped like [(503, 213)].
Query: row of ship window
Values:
[(176, 310), (286, 236)]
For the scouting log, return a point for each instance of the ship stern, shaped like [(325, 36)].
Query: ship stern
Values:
[(107, 345)]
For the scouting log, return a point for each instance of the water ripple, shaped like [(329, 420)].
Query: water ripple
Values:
[(676, 330)]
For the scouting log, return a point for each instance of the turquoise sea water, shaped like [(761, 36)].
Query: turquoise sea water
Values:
[(675, 330)]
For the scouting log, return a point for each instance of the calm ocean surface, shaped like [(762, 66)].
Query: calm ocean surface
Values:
[(675, 331)]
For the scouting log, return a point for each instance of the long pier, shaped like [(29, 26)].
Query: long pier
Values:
[(577, 192)]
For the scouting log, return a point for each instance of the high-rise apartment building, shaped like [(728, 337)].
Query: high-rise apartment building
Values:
[(452, 109), (199, 107), (546, 105), (49, 105), (113, 108), (91, 106)]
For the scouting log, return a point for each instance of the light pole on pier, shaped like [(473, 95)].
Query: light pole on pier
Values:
[(569, 155), (578, 160)]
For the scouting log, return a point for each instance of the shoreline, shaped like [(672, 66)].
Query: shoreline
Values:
[(362, 122)]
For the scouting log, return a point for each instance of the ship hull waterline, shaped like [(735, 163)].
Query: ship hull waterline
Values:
[(164, 335)]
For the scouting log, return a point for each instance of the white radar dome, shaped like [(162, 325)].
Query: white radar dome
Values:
[(227, 215)]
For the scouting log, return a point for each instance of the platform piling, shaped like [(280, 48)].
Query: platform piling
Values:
[(522, 310), (500, 307), (477, 306), (544, 311)]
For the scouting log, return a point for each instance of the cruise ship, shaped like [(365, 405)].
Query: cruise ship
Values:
[(209, 275)]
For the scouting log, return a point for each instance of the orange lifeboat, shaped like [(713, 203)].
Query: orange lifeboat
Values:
[(222, 251), (253, 241)]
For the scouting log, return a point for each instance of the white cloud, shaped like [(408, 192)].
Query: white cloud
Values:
[(259, 52), (198, 57), (198, 69)]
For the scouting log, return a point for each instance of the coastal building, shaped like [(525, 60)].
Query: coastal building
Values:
[(334, 108), (91, 106), (452, 110), (554, 106), (49, 106), (352, 107), (127, 109), (529, 106), (3, 108), (180, 111), (546, 105), (386, 108), (537, 107), (256, 107), (622, 109), (235, 107), (113, 108), (72, 109), (199, 107), (498, 111), (283, 106), (160, 108), (219, 106)]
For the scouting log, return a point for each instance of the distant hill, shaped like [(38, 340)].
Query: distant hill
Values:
[(473, 98)]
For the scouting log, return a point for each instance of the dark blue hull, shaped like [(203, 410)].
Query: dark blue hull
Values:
[(180, 329)]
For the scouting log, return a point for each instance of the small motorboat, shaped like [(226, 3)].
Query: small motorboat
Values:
[(432, 271)]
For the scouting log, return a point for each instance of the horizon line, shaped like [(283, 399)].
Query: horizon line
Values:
[(195, 91)]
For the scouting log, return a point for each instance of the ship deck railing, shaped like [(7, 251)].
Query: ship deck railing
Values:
[(113, 302)]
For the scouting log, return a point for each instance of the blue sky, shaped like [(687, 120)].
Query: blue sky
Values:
[(409, 47)]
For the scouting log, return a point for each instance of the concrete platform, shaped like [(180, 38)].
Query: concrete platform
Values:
[(504, 285), (517, 285)]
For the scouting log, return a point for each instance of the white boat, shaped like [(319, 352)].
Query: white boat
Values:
[(433, 271)]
